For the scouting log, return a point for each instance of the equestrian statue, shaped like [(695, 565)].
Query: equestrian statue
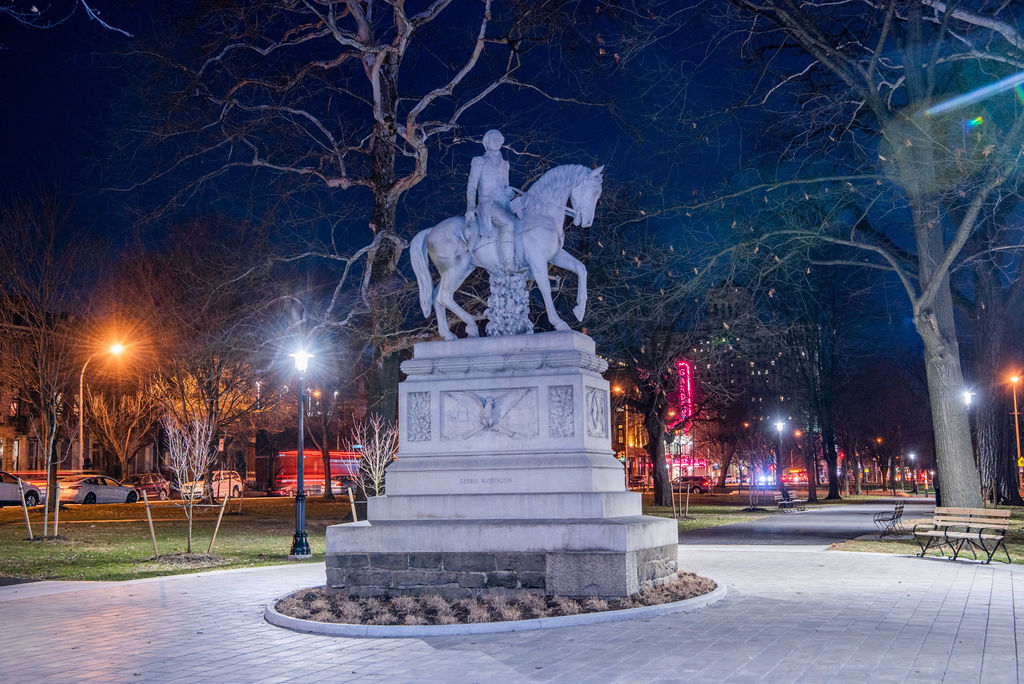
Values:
[(505, 234)]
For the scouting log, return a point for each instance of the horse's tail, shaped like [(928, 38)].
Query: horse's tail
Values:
[(421, 267)]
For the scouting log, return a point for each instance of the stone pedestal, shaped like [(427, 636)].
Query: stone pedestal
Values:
[(505, 479)]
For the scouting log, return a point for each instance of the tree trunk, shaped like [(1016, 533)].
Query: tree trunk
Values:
[(831, 457), (811, 466), (724, 474), (654, 423), (858, 473), (997, 450), (325, 454), (382, 386), (383, 373), (994, 442), (812, 478), (961, 485)]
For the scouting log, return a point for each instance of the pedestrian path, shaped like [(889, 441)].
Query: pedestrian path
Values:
[(793, 613)]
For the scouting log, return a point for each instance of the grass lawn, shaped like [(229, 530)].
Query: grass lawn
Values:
[(710, 510), (1014, 541), (112, 542)]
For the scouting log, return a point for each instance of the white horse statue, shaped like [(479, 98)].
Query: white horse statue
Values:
[(539, 239)]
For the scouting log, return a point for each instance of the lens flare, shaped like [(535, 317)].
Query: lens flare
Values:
[(978, 94)]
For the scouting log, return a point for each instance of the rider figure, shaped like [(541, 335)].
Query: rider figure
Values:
[(489, 192)]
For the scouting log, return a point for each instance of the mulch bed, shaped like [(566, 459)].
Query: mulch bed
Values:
[(188, 560), (325, 604)]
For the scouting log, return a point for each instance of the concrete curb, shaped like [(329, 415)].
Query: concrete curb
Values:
[(277, 619)]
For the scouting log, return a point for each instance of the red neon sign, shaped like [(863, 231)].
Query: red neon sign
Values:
[(685, 392)]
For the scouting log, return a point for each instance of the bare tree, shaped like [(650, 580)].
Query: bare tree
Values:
[(40, 276), (123, 424), (208, 308), (888, 72), (29, 14), (378, 445), (313, 99), (323, 420), (649, 315), (190, 456)]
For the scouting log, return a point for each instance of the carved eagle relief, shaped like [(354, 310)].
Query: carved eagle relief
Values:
[(485, 412)]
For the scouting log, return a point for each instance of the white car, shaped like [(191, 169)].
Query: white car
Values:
[(224, 482), (9, 495), (90, 489)]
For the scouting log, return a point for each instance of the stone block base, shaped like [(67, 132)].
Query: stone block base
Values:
[(608, 558), (455, 575)]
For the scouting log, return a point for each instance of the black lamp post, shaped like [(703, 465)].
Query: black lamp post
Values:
[(300, 544), (780, 426)]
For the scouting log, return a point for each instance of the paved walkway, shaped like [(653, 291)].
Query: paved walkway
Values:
[(794, 613)]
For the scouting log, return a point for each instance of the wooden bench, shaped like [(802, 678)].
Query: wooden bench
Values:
[(976, 528), (889, 522), (785, 502)]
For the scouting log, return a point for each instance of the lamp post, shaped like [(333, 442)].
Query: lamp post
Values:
[(114, 349), (1016, 425), (300, 544), (913, 474), (780, 426), (625, 432)]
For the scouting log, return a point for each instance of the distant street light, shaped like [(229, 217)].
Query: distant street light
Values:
[(114, 349), (1016, 426), (300, 544), (780, 426), (968, 396)]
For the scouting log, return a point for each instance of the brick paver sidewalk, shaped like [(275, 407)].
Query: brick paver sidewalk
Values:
[(792, 614)]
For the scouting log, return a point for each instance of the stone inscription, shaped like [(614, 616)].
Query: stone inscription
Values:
[(418, 417), (471, 413), (484, 480), (561, 413), (597, 419)]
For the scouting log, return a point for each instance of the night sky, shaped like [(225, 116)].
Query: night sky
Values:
[(70, 106)]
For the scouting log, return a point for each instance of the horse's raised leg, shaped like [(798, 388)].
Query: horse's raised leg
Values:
[(539, 271), (570, 263), (451, 279)]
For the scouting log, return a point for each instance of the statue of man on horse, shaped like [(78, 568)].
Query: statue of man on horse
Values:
[(506, 236)]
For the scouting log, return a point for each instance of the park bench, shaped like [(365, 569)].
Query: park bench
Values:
[(976, 528), (785, 502), (889, 522)]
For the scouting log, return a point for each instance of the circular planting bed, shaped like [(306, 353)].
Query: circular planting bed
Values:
[(323, 610)]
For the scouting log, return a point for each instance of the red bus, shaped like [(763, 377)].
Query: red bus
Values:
[(344, 472)]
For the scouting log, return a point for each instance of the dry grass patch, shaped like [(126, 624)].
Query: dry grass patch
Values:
[(324, 604)]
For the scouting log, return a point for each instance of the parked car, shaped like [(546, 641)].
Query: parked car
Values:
[(224, 482), (10, 496), (340, 483), (155, 485), (92, 489), (695, 484)]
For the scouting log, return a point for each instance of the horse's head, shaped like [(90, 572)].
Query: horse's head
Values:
[(584, 196)]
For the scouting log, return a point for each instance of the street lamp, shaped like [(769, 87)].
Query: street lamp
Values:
[(780, 426), (617, 389), (114, 349), (1016, 425), (300, 544), (913, 474)]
